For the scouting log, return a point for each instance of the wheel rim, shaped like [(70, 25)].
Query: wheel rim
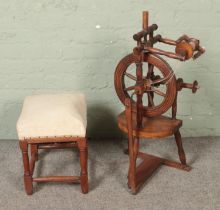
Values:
[(165, 70)]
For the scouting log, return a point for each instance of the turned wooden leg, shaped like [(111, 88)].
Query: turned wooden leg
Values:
[(132, 164), (34, 157), (126, 151), (82, 144), (136, 148), (34, 151), (181, 152), (27, 174), (130, 161)]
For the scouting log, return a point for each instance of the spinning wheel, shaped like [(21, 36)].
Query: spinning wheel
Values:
[(151, 81), (139, 90)]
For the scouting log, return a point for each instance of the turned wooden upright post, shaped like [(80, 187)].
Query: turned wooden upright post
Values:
[(145, 20)]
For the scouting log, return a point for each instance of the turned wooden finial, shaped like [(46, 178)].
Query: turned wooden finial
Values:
[(145, 20)]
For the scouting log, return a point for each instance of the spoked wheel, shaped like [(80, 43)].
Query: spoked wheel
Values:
[(157, 76)]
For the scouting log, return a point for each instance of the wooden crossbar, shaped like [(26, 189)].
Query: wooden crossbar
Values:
[(57, 146), (57, 179)]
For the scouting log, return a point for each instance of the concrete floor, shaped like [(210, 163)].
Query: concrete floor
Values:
[(167, 189)]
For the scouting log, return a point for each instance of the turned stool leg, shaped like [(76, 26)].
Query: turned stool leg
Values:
[(82, 144), (181, 152), (34, 157), (34, 151), (27, 174)]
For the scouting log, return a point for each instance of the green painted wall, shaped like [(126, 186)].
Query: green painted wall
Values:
[(65, 45)]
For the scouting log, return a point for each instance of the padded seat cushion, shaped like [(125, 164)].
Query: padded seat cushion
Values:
[(53, 115)]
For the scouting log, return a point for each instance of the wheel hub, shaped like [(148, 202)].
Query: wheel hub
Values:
[(147, 84)]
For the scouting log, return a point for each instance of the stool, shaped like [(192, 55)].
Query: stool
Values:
[(53, 121)]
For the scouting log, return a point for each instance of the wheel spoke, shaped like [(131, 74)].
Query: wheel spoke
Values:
[(160, 81), (163, 80), (132, 94), (159, 92), (131, 76), (129, 88)]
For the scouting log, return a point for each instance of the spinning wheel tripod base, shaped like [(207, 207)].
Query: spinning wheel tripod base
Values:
[(149, 164), (156, 127)]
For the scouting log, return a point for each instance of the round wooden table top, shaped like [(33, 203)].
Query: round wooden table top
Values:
[(156, 127)]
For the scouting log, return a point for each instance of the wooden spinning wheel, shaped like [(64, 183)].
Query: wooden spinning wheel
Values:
[(145, 120), (151, 80)]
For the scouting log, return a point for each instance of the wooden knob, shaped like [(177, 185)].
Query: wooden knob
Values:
[(195, 86), (180, 84)]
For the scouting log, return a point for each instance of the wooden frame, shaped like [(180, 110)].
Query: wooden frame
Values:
[(137, 175), (53, 143), (141, 120)]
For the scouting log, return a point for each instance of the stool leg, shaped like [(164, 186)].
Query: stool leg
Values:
[(34, 151), (82, 144), (179, 144), (27, 174)]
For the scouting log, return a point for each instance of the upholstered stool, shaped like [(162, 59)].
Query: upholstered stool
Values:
[(52, 122)]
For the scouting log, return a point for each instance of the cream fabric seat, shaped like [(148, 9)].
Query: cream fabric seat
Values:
[(53, 115)]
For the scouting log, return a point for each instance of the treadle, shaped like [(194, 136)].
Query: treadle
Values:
[(146, 168), (150, 164), (166, 162)]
